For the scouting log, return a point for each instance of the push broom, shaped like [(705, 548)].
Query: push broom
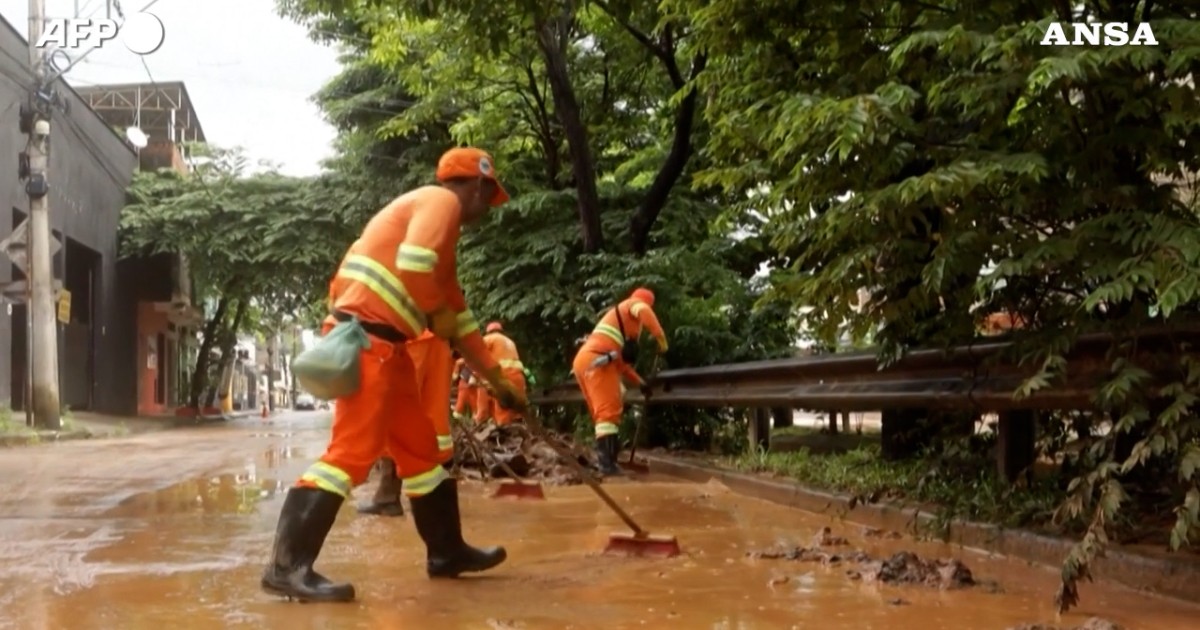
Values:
[(633, 465), (517, 488), (640, 543)]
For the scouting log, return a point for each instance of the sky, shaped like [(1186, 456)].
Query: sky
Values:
[(250, 73)]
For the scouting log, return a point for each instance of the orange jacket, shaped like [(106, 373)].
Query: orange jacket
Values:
[(403, 267), (634, 316), (503, 350)]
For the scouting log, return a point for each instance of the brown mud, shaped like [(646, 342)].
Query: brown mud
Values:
[(171, 530)]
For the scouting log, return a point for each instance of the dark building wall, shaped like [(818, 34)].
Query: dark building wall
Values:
[(90, 168)]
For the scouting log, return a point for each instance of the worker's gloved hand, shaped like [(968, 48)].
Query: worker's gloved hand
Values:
[(444, 323), (506, 392), (662, 346)]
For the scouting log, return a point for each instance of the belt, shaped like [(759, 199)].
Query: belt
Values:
[(385, 332)]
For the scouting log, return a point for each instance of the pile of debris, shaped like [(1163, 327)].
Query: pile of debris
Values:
[(903, 567), (525, 453)]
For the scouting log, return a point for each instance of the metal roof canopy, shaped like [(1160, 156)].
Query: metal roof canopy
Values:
[(162, 110)]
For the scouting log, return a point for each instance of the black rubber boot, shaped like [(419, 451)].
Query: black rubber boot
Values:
[(607, 448), (304, 522), (386, 501), (440, 526)]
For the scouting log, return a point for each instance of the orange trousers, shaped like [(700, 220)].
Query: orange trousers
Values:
[(434, 363), (601, 387), (486, 405), (385, 416)]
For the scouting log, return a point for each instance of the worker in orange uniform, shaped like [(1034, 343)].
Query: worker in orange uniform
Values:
[(433, 361), (399, 278), (504, 351), (464, 402), (607, 355)]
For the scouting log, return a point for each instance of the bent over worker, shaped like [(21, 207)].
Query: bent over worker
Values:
[(433, 361), (464, 400), (399, 276), (504, 351), (604, 358)]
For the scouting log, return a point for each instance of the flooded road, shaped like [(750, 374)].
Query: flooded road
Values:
[(171, 530)]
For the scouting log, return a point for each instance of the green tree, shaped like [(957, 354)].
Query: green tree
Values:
[(938, 156), (261, 245), (520, 82)]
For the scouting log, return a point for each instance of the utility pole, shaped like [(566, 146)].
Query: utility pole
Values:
[(41, 307)]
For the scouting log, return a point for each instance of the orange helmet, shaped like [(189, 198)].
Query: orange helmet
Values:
[(494, 327), (643, 294)]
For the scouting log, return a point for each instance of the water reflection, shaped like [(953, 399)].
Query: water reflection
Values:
[(223, 494)]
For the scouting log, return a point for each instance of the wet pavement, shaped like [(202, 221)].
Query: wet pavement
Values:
[(171, 530)]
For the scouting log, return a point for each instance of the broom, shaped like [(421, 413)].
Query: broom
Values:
[(517, 488), (637, 431), (640, 543)]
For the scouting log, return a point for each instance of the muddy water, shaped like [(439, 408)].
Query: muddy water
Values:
[(189, 555)]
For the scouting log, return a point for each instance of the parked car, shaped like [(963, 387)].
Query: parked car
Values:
[(305, 402)]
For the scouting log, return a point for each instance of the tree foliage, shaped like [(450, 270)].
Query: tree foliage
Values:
[(938, 156), (416, 82), (260, 245)]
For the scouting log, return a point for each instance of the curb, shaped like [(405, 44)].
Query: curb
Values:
[(41, 437), (1174, 576)]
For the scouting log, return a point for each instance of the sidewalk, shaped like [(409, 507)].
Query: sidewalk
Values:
[(79, 425)]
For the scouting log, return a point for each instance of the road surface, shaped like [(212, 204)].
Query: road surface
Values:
[(170, 530)]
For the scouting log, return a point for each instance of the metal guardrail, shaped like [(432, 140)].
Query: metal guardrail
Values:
[(979, 377)]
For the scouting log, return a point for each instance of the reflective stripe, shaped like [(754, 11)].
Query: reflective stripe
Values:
[(512, 363), (414, 258), (384, 285), (328, 478), (607, 428), (636, 309), (467, 323), (424, 483), (445, 442), (610, 332)]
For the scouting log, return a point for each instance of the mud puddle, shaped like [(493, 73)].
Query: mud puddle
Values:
[(190, 556), (194, 571)]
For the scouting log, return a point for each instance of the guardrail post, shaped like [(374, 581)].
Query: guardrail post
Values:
[(1015, 443), (846, 422), (900, 433), (832, 418), (784, 417), (760, 428)]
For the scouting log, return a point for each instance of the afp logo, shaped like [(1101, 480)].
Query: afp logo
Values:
[(141, 33)]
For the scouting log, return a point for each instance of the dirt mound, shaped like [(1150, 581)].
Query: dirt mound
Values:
[(903, 567), (528, 456)]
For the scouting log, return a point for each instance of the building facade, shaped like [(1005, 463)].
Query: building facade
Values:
[(125, 323), (90, 168), (166, 319)]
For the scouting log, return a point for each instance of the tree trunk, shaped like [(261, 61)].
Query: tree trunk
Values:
[(552, 41), (272, 350), (228, 343), (671, 170), (200, 374)]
